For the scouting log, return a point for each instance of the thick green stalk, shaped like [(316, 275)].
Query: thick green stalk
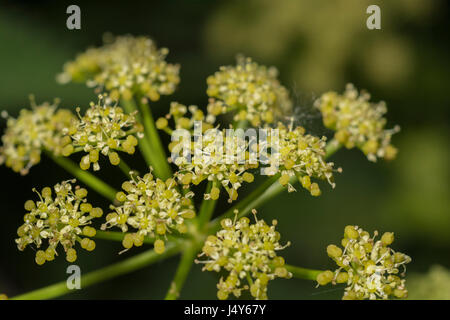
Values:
[(187, 259), (131, 264), (161, 165), (303, 273), (241, 124), (144, 145), (85, 176), (332, 147)]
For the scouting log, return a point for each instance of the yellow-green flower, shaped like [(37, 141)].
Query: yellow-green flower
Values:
[(185, 117), (125, 66), (152, 207), (248, 252), (369, 268), (32, 131), (301, 155), (62, 216), (103, 129), (250, 90), (357, 122), (218, 157)]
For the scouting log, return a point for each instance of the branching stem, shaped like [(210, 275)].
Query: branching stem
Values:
[(263, 193)]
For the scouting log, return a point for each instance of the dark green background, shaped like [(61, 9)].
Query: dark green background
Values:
[(409, 196)]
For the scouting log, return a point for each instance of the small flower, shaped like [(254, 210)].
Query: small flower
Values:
[(179, 113), (3, 296), (125, 66), (153, 207), (249, 253), (104, 129), (369, 268), (358, 122), (219, 157), (252, 91), (31, 132), (59, 218), (301, 155)]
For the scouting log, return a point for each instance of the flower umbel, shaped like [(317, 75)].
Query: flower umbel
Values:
[(369, 268), (249, 253), (31, 132), (251, 90), (125, 66), (104, 129), (61, 216), (219, 156), (153, 207), (358, 122), (302, 155)]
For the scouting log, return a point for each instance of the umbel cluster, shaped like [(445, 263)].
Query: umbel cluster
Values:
[(157, 207)]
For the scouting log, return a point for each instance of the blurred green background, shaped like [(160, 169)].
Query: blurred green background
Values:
[(317, 46)]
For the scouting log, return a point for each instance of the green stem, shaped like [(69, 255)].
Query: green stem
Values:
[(207, 207), (303, 273), (249, 279), (109, 235), (125, 168), (84, 176), (187, 259), (131, 264), (332, 147), (162, 167), (144, 146)]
